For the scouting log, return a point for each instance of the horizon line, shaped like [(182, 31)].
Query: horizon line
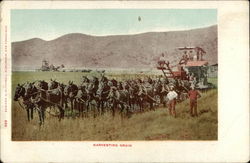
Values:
[(129, 34)]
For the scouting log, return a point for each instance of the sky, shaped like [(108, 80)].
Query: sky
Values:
[(49, 24)]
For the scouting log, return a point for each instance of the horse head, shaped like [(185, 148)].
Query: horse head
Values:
[(43, 85), (85, 79), (53, 84), (19, 92), (70, 90)]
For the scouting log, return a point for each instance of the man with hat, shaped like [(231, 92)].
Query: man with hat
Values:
[(193, 95), (172, 96)]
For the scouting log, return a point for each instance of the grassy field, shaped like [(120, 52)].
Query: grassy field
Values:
[(150, 125)]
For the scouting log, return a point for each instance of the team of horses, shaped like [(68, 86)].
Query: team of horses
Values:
[(96, 96)]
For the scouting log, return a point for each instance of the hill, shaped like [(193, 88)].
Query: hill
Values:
[(120, 51)]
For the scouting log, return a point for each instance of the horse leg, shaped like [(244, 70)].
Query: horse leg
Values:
[(31, 114), (113, 111), (40, 117), (130, 103), (71, 105), (151, 104), (43, 114), (102, 107), (28, 114), (99, 107), (128, 111), (81, 109), (76, 107), (65, 107), (141, 105), (61, 113), (121, 105), (87, 109), (66, 104), (121, 111), (95, 109), (134, 106)]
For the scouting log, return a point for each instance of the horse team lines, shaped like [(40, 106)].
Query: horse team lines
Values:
[(104, 128)]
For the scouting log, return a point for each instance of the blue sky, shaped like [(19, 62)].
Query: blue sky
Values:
[(52, 23)]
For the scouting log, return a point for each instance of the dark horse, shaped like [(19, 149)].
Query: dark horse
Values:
[(70, 91), (46, 98), (102, 94), (20, 92)]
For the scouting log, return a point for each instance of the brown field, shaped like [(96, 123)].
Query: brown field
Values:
[(150, 125)]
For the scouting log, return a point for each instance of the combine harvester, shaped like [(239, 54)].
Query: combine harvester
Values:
[(46, 67), (191, 67)]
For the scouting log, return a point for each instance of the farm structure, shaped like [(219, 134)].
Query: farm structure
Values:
[(191, 67), (50, 67)]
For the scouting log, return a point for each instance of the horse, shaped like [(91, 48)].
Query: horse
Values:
[(53, 84), (70, 92), (48, 98), (29, 98), (20, 92), (160, 92), (92, 99), (102, 94), (119, 99), (81, 100), (146, 94), (133, 96)]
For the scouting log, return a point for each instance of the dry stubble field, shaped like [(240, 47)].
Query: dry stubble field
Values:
[(150, 125)]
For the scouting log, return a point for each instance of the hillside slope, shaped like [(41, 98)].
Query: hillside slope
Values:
[(121, 51)]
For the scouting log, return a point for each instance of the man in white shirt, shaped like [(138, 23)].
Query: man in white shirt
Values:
[(172, 96)]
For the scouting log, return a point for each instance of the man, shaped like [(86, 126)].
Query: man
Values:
[(172, 96), (162, 60), (193, 95)]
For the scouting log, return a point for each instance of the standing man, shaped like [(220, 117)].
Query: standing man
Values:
[(193, 96), (172, 96), (162, 60)]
